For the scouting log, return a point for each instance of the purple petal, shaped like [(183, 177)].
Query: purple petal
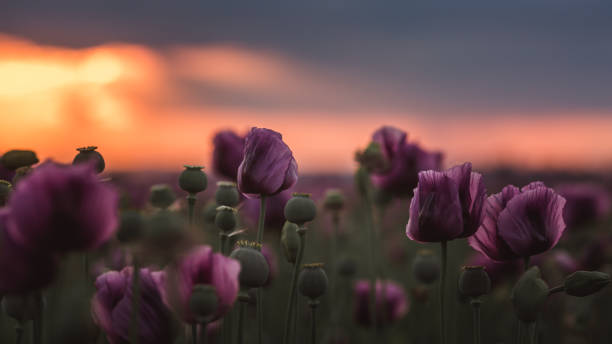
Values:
[(227, 154)]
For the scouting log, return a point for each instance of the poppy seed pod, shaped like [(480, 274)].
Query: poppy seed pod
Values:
[(290, 241), (193, 179), (21, 173), (226, 218), (5, 190), (474, 281), (254, 269), (203, 302), (529, 295), (347, 267), (334, 200), (130, 226), (312, 282), (583, 283), (161, 196), (426, 266), (227, 194), (300, 209), (15, 159), (22, 307), (88, 154)]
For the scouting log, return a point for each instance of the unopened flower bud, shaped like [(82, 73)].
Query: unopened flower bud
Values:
[(529, 295), (193, 179), (5, 190), (226, 218), (161, 196), (210, 212), (312, 282), (131, 226), (347, 266), (371, 158), (21, 173), (227, 194), (15, 159), (87, 154), (254, 269), (426, 266), (22, 307), (474, 282), (583, 283), (203, 302), (290, 241), (300, 209), (334, 200)]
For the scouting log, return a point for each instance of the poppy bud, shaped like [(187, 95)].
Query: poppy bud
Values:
[(227, 194), (161, 196), (312, 282), (203, 302), (20, 173), (15, 159), (474, 282), (254, 269), (372, 158), (300, 209), (426, 266), (290, 241), (87, 154), (226, 218), (334, 200), (193, 179), (347, 267), (130, 226), (5, 190), (210, 212), (529, 295), (583, 283), (22, 307)]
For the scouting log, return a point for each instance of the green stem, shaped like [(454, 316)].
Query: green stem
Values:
[(519, 333), (262, 219), (194, 333), (443, 248), (222, 241), (532, 336), (135, 317), (294, 277), (37, 326), (313, 326), (556, 289), (226, 326), (526, 260), (191, 200), (241, 322), (334, 270), (260, 236), (476, 313), (203, 338), (370, 221), (19, 334)]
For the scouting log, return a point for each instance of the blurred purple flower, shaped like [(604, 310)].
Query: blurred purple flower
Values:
[(203, 266), (405, 161), (268, 166), (270, 256), (520, 224), (585, 203), (60, 208), (446, 205), (227, 154), (499, 272), (112, 307), (391, 304)]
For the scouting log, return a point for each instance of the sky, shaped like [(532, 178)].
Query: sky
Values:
[(520, 83)]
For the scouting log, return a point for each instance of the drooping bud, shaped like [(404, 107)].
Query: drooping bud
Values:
[(300, 209), (87, 154), (22, 307), (426, 266), (193, 179), (210, 212), (372, 158), (312, 282), (334, 200), (16, 158), (21, 173), (5, 190), (203, 302), (254, 269), (131, 226), (290, 241), (226, 218), (583, 283), (227, 194), (529, 295), (161, 196), (474, 281), (347, 267)]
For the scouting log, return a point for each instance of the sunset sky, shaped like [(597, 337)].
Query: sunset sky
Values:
[(521, 83)]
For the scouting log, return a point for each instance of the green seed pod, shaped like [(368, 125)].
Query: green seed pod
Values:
[(347, 266), (290, 241), (203, 302), (210, 212), (131, 226), (193, 179), (426, 266), (312, 282), (15, 159), (22, 307), (254, 269), (474, 282), (227, 194), (334, 200), (583, 283), (5, 191), (165, 231), (87, 154), (21, 173), (226, 218), (300, 209), (529, 295), (161, 196)]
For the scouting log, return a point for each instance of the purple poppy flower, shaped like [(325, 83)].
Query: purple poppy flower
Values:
[(21, 269), (268, 166), (61, 208), (446, 205), (391, 303), (227, 154), (498, 271), (275, 206), (112, 307), (203, 266), (585, 203), (520, 224), (404, 159)]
